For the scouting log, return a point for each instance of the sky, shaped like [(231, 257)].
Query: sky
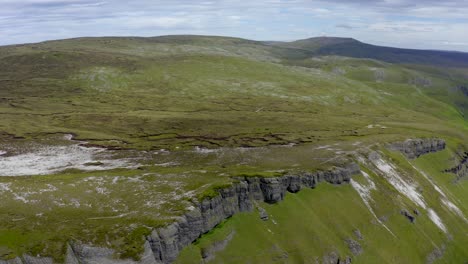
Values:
[(420, 24)]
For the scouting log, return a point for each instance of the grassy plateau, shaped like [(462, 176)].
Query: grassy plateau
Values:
[(104, 139)]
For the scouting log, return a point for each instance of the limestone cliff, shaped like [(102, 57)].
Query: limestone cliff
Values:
[(164, 244), (167, 242), (461, 169), (413, 148)]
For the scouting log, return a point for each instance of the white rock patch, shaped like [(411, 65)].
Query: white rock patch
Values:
[(436, 219), (115, 179), (68, 137), (323, 147), (452, 207), (5, 187), (23, 197), (205, 150), (167, 164), (365, 193), (444, 199), (51, 159), (407, 189)]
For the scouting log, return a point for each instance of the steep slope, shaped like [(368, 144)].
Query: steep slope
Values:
[(393, 213)]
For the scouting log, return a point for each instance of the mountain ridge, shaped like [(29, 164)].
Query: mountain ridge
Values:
[(304, 48), (328, 40)]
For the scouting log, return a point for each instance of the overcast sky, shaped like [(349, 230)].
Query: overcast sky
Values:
[(422, 24)]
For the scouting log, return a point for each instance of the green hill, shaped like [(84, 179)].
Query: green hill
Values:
[(103, 140), (348, 47)]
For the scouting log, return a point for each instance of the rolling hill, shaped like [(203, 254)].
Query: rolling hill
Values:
[(182, 149), (349, 47)]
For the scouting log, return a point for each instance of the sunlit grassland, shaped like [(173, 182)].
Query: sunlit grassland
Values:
[(265, 109)]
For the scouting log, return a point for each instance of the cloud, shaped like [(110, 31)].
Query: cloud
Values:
[(405, 26), (455, 43), (158, 22), (345, 26)]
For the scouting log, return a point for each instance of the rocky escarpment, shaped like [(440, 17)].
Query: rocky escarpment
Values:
[(463, 89), (413, 148), (461, 169), (164, 244), (167, 242)]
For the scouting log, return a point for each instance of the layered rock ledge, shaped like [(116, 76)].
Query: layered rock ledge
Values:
[(164, 244), (167, 242), (461, 169), (413, 148)]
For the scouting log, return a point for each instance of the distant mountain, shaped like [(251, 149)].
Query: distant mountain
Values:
[(349, 47), (316, 43)]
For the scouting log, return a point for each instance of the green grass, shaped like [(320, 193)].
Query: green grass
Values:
[(112, 208), (262, 110), (313, 223)]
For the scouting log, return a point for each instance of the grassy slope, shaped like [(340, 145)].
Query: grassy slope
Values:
[(352, 48), (313, 223), (178, 92), (201, 94)]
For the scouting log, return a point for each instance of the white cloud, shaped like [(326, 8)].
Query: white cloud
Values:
[(166, 22), (402, 26)]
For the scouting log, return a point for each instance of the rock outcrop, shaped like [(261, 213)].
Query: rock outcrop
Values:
[(12, 261), (28, 260), (358, 234), (413, 148), (436, 254), (167, 242), (35, 260), (209, 253), (263, 214), (461, 170), (408, 216), (354, 246), (164, 244), (463, 89), (334, 258)]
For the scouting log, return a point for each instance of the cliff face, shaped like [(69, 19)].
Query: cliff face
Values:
[(413, 148), (461, 169), (166, 243)]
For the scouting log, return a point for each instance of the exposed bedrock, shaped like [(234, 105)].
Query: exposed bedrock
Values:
[(463, 89), (167, 242), (28, 260), (164, 244), (413, 148), (209, 253), (461, 169), (12, 261), (408, 215)]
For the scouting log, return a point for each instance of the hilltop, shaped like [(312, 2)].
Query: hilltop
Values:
[(348, 47)]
